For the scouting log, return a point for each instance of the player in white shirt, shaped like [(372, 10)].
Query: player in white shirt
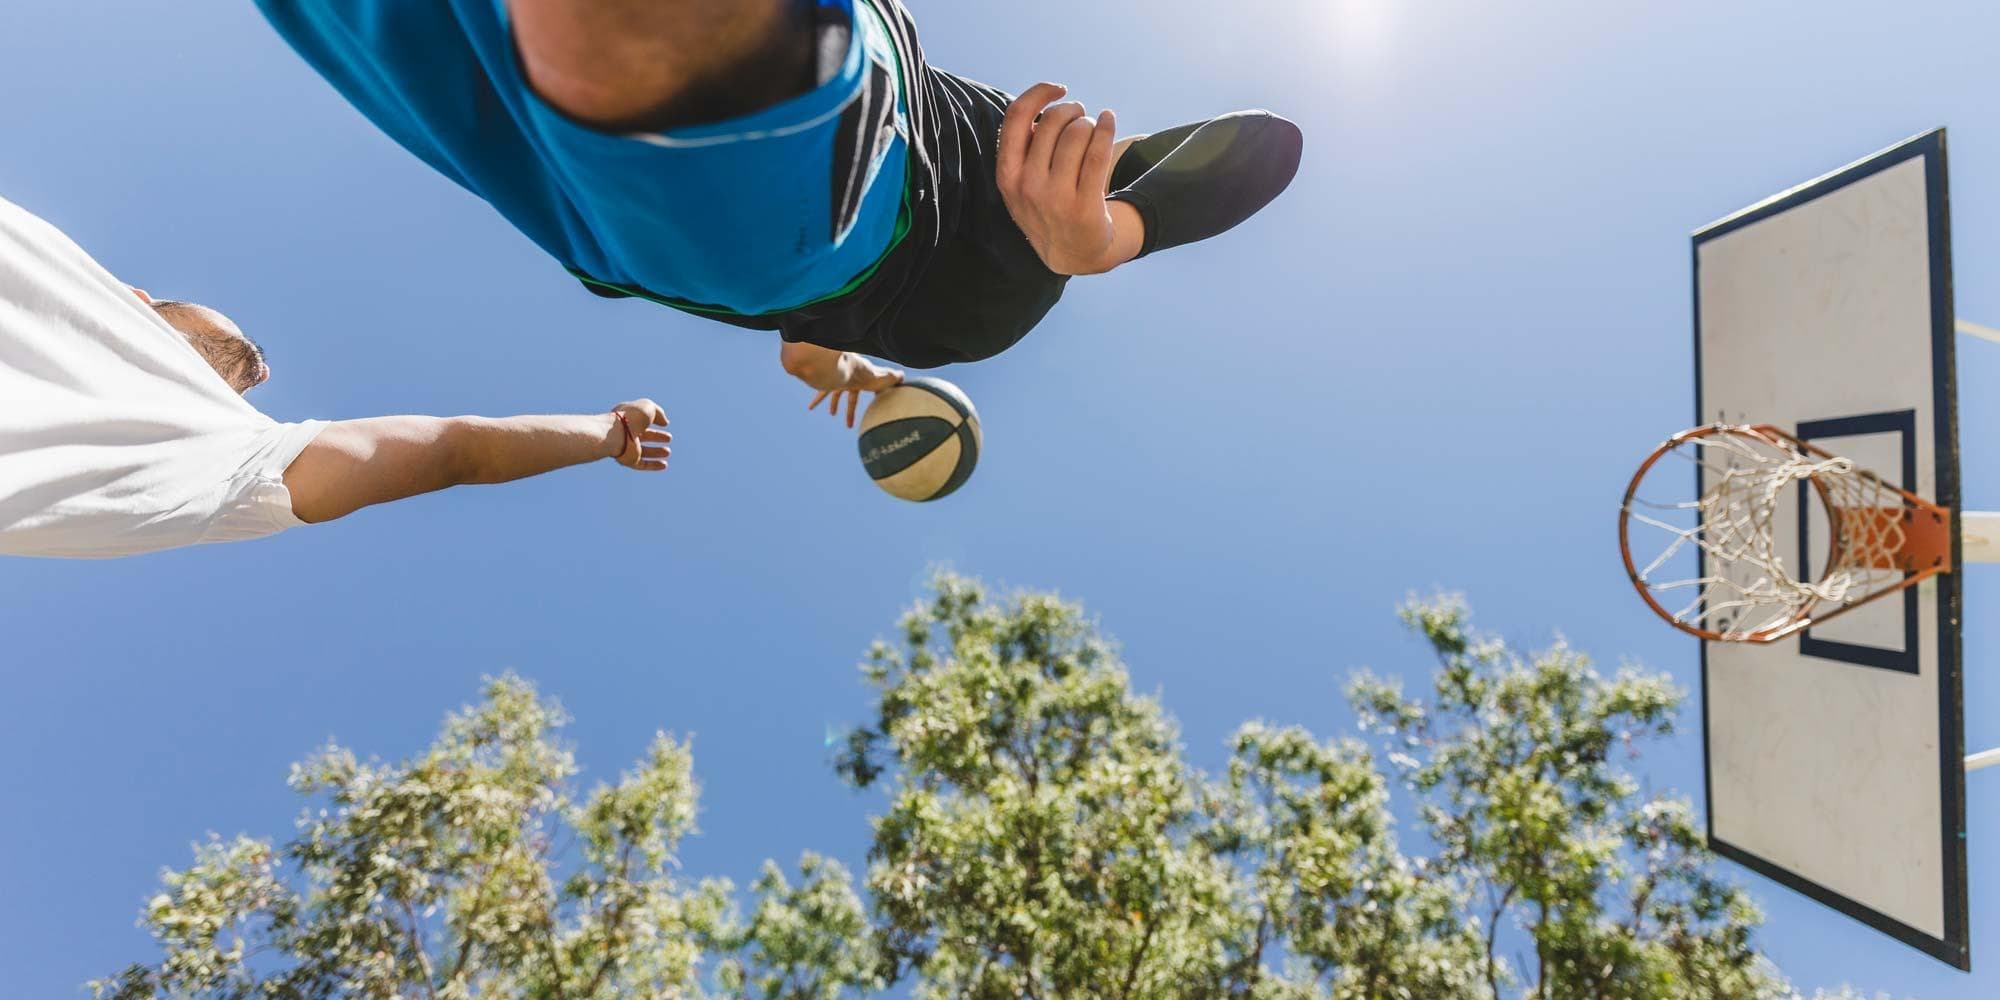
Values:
[(123, 428)]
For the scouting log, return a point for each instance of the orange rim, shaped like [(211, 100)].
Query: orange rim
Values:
[(1803, 617)]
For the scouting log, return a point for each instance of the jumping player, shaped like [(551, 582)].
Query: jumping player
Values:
[(789, 165)]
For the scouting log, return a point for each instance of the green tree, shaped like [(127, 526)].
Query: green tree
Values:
[(1040, 835), (1515, 763), (444, 878), (1307, 827), (1044, 837)]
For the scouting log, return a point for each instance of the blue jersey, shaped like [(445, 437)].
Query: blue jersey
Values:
[(761, 214)]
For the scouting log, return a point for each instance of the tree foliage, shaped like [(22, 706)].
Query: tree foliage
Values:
[(1515, 762), (1040, 835), (444, 877)]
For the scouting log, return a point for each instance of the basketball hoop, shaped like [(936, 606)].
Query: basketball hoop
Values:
[(1882, 539)]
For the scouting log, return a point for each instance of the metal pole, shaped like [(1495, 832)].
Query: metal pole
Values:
[(1979, 535), (1984, 758), (1968, 327)]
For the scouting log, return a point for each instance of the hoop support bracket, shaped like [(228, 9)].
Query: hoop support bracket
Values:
[(1926, 535), (1984, 758)]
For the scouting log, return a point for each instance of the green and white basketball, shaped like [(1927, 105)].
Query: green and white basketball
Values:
[(920, 440)]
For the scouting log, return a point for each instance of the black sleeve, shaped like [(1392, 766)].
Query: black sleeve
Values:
[(1194, 181)]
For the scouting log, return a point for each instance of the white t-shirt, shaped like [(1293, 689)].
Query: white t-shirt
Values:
[(116, 438)]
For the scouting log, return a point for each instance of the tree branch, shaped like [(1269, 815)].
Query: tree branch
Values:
[(416, 938), (1542, 952), (555, 963), (1492, 932), (465, 946), (614, 917), (1256, 959), (1639, 901), (1138, 955)]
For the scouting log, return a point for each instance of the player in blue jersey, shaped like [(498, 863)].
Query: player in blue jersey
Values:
[(789, 165)]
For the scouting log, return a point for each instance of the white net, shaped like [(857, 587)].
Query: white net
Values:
[(1745, 588)]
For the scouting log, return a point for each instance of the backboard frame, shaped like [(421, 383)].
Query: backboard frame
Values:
[(1953, 945)]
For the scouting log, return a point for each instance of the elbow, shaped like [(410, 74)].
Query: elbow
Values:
[(462, 459), (809, 364)]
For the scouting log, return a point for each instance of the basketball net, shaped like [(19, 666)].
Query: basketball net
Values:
[(1882, 539)]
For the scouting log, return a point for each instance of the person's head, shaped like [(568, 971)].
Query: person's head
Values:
[(234, 356)]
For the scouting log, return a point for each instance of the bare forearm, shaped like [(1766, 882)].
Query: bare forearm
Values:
[(829, 370), (499, 450), (358, 463)]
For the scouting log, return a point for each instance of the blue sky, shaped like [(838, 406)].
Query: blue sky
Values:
[(1432, 363)]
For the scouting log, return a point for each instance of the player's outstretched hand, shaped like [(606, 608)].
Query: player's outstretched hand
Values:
[(1052, 174), (645, 437), (866, 378)]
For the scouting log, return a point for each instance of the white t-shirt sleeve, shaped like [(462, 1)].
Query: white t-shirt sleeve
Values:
[(255, 502), (116, 438)]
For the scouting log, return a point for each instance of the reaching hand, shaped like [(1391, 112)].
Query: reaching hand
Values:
[(1052, 175), (862, 377), (644, 439)]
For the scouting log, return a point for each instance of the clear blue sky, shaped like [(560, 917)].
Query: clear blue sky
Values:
[(1432, 363)]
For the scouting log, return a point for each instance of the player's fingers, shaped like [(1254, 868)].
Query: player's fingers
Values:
[(655, 452), (814, 405), (653, 435), (1048, 133), (853, 406), (652, 466), (1019, 126), (1070, 149), (1095, 175), (660, 415)]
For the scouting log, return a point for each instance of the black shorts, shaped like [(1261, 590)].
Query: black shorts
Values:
[(963, 284)]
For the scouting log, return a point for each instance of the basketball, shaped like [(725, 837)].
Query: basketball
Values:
[(920, 440)]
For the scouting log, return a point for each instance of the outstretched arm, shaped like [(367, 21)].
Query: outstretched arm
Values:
[(359, 463)]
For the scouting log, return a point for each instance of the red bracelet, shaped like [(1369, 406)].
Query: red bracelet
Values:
[(620, 417)]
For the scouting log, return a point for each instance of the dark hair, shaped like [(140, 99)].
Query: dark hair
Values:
[(234, 356)]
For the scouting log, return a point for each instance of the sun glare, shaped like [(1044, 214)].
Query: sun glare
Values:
[(1361, 32)]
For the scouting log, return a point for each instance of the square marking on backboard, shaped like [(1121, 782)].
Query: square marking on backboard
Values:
[(1881, 633)]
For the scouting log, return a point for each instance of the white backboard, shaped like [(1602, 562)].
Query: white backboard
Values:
[(1835, 758)]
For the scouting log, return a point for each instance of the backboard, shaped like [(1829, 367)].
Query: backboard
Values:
[(1835, 757)]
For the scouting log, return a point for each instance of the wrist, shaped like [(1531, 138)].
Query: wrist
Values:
[(1128, 232), (617, 437), (859, 372)]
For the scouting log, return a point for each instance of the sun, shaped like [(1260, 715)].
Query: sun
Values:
[(1362, 33)]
